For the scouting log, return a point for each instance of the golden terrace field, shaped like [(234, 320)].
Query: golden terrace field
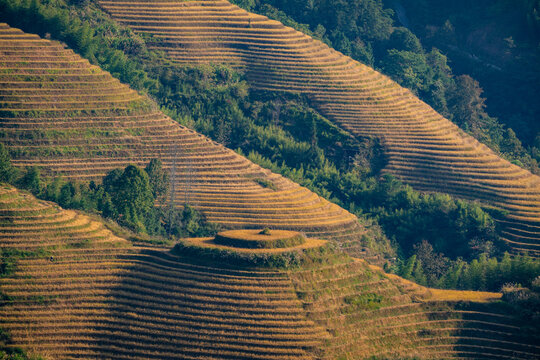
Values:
[(72, 119), (101, 297), (424, 149)]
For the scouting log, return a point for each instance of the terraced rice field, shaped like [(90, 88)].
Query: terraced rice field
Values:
[(70, 118), (424, 149), (100, 297), (370, 314)]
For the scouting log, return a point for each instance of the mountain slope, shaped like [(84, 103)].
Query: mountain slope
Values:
[(98, 298), (90, 298), (72, 119), (423, 149), (385, 317)]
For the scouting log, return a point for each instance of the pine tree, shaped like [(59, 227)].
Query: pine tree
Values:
[(133, 198), (450, 280), (7, 171), (418, 273), (31, 180), (67, 192), (407, 268), (158, 178)]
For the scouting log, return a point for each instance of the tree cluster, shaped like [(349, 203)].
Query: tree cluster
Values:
[(133, 197), (278, 131), (496, 42), (428, 267)]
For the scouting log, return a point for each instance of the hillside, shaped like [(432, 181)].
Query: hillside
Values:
[(497, 43), (113, 300), (74, 120), (109, 299), (423, 149)]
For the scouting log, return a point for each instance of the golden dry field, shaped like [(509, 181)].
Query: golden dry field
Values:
[(423, 148), (74, 120), (81, 292)]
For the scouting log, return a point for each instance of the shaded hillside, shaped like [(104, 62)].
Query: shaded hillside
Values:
[(108, 299), (369, 33), (72, 119), (423, 149), (497, 43)]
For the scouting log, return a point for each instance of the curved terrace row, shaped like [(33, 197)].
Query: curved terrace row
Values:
[(80, 295), (72, 119), (424, 149)]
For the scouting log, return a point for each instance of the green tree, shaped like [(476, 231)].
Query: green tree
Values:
[(407, 68), (434, 264), (133, 197), (106, 205), (363, 52), (191, 220), (418, 273), (110, 181), (7, 171), (511, 145), (342, 42), (450, 280), (158, 178), (67, 193), (403, 39), (466, 102), (474, 276), (406, 270), (31, 180), (52, 190)]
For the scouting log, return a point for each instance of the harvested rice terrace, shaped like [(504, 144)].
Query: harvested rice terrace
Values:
[(112, 300), (26, 224), (74, 120), (103, 298), (423, 148), (109, 299), (370, 315)]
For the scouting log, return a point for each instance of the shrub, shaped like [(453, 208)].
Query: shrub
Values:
[(7, 171)]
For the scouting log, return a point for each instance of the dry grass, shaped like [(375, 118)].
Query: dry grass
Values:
[(356, 97), (430, 294), (461, 295), (73, 120), (120, 301)]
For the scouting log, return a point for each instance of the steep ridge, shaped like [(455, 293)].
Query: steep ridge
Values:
[(84, 296), (423, 148), (72, 119)]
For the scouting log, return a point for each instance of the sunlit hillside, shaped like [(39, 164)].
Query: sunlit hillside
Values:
[(74, 290), (423, 149), (74, 120), (125, 233)]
